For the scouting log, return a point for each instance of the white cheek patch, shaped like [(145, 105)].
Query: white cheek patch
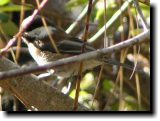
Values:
[(25, 40), (35, 53)]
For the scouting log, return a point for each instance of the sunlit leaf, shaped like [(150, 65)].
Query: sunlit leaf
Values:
[(4, 2), (87, 81), (136, 32), (12, 8), (83, 95), (74, 3)]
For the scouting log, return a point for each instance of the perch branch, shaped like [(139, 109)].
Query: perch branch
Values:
[(90, 55)]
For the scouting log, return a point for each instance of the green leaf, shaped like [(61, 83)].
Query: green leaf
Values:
[(9, 28), (136, 32), (87, 81), (83, 95), (74, 3), (108, 85), (4, 2), (3, 17), (12, 8)]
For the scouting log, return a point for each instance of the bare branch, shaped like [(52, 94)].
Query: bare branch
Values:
[(144, 22), (25, 24), (90, 55)]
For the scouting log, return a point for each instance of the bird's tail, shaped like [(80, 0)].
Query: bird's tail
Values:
[(117, 63)]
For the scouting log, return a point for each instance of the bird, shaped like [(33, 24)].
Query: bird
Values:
[(41, 49)]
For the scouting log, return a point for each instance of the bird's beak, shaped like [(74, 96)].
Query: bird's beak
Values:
[(24, 39)]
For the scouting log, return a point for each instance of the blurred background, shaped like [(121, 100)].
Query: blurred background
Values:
[(111, 90)]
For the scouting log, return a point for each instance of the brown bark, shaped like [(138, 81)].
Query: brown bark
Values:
[(35, 93)]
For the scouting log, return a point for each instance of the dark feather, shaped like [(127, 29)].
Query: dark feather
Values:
[(66, 46), (64, 42)]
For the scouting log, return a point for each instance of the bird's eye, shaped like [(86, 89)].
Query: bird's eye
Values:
[(39, 43)]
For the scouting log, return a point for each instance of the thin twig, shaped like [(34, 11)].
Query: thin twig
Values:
[(24, 26), (85, 37), (116, 81), (106, 44), (97, 85), (49, 34), (110, 21), (10, 50), (21, 20), (135, 61), (144, 22), (138, 87), (122, 59), (80, 17)]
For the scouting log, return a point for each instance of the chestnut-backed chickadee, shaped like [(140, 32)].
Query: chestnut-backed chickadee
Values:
[(41, 49)]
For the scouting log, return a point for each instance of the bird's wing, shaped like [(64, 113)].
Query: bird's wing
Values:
[(67, 46), (73, 46)]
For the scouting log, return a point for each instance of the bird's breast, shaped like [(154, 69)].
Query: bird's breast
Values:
[(36, 54), (65, 70)]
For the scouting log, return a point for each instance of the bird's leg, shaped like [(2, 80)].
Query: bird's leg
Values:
[(48, 77)]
